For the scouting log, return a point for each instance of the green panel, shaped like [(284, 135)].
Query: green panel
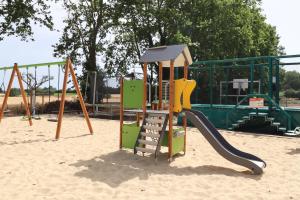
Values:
[(178, 142), (35, 65), (178, 145), (130, 133), (133, 94)]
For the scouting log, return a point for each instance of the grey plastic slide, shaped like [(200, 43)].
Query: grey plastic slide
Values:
[(219, 143)]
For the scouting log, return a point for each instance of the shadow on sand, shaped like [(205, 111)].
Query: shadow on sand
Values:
[(121, 166), (40, 140), (294, 151)]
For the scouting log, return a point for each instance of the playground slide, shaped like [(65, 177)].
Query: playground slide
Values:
[(219, 143)]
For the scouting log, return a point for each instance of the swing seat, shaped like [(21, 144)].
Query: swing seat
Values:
[(52, 119)]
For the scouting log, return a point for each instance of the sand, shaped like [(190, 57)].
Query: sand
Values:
[(81, 166), (13, 101)]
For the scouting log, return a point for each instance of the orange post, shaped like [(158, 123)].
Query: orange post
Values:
[(160, 78), (121, 112), (145, 89), (171, 104), (185, 74), (7, 93), (15, 70), (83, 108), (23, 94), (62, 102), (63, 98)]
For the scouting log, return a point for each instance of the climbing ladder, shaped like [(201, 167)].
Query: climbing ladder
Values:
[(270, 120), (152, 133)]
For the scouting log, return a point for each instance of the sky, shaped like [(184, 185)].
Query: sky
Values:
[(284, 14)]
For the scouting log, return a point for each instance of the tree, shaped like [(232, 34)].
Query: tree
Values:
[(84, 31), (33, 85), (291, 80), (213, 29), (18, 16), (83, 35)]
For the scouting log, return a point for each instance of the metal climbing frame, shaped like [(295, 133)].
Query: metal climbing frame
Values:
[(262, 75), (211, 73)]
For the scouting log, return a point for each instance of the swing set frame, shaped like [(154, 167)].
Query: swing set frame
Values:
[(68, 70)]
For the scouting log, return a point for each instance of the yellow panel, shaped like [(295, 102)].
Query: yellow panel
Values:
[(182, 94), (179, 86), (189, 87)]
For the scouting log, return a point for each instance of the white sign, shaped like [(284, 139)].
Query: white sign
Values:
[(256, 102), (240, 83)]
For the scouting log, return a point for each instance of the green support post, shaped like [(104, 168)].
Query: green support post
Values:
[(270, 66), (210, 86), (197, 86), (251, 76), (226, 89), (277, 72), (261, 79), (176, 73)]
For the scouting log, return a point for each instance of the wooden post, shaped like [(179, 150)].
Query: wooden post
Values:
[(7, 93), (145, 89), (121, 112), (16, 70), (171, 104), (43, 103), (160, 78), (23, 94), (63, 98), (184, 118), (62, 102), (83, 108)]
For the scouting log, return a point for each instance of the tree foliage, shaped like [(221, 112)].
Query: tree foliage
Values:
[(84, 32), (213, 29), (18, 16), (291, 80)]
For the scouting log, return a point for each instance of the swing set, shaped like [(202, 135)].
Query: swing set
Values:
[(68, 69)]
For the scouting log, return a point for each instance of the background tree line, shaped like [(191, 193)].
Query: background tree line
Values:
[(117, 32)]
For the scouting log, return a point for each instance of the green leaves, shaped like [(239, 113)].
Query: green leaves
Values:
[(213, 29), (84, 33), (17, 17)]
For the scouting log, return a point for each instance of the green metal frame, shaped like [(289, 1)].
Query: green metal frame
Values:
[(262, 68), (271, 63), (49, 64)]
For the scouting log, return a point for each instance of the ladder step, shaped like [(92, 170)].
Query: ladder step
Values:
[(148, 142), (154, 120), (252, 113), (145, 150), (246, 117), (283, 129), (235, 125), (262, 114), (156, 115), (152, 135), (270, 119), (241, 121), (154, 128), (276, 123)]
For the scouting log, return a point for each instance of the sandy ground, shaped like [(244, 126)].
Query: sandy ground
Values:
[(39, 99), (80, 166)]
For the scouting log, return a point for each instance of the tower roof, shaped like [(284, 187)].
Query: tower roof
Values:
[(164, 54)]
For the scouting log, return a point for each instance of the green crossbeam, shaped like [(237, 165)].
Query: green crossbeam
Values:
[(50, 64)]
